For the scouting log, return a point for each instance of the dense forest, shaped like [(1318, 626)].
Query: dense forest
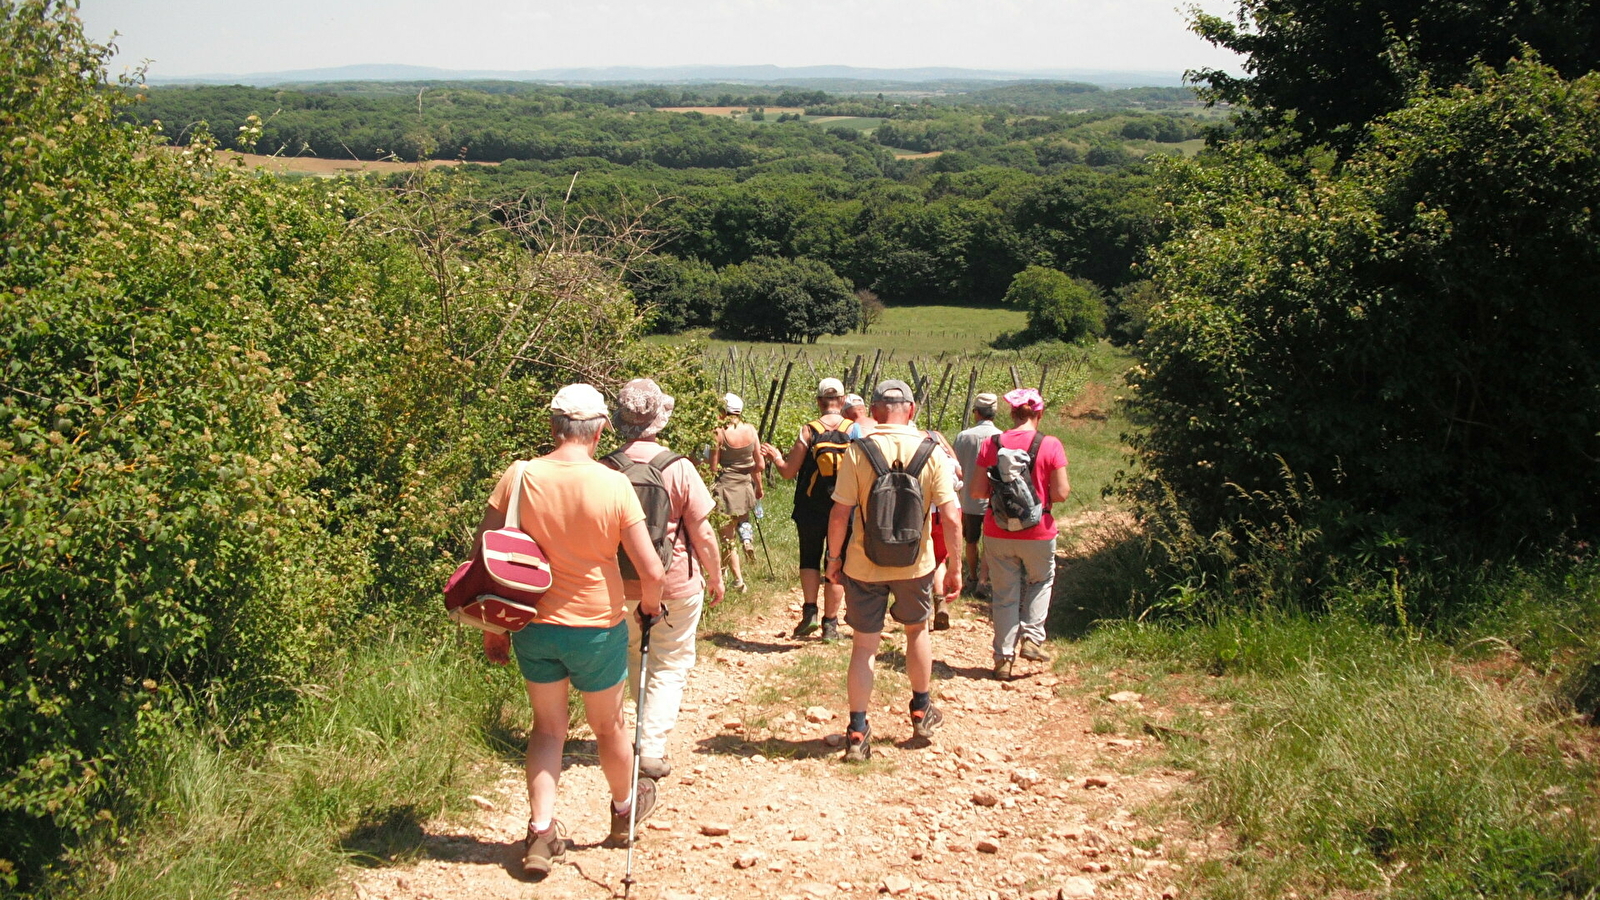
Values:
[(993, 192)]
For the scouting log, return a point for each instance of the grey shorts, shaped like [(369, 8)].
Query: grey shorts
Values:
[(865, 602)]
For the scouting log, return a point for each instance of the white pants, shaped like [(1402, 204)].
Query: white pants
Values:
[(1021, 576), (671, 658)]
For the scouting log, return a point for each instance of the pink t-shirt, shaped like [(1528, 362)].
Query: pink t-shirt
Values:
[(691, 501), (1052, 456)]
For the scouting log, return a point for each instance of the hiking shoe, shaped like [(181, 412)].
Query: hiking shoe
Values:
[(941, 621), (983, 592), (654, 767), (1002, 669), (1031, 650), (808, 622), (924, 721), (646, 799), (545, 848), (858, 745), (741, 587), (830, 630), (749, 548)]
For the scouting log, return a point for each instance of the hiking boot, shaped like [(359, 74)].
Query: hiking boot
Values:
[(544, 848), (654, 767), (749, 548), (830, 630), (645, 797), (808, 622), (925, 720), (1031, 650), (858, 745), (1002, 669), (941, 621)]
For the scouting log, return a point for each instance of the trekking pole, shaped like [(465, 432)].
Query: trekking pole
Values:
[(638, 737), (768, 550)]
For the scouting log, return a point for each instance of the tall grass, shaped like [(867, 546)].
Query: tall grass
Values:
[(397, 733)]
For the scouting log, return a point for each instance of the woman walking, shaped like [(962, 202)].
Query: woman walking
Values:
[(736, 459)]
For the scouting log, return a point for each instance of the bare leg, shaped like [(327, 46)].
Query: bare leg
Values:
[(545, 740), (919, 657), (832, 598), (603, 709), (810, 580), (863, 652), (730, 539)]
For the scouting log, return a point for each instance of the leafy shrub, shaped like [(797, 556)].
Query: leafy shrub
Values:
[(1409, 333), (773, 299), (1060, 307)]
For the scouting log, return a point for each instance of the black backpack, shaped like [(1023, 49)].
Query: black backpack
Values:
[(895, 513), (819, 469), (1012, 499), (647, 482)]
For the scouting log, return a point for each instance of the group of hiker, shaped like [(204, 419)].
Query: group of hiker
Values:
[(889, 518)]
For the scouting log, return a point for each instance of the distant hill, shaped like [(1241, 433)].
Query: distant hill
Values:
[(838, 78)]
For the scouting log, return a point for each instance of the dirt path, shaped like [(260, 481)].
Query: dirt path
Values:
[(1015, 798)]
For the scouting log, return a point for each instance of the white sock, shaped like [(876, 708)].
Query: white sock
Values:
[(622, 808), (540, 827)]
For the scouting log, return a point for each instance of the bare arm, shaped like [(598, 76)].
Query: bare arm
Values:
[(761, 468), (704, 539), (636, 541), (497, 647), (981, 489), (1059, 486), (838, 523), (788, 466), (950, 512)]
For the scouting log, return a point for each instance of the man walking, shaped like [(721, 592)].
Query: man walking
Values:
[(869, 584), (579, 511), (813, 464), (692, 569), (974, 571), (1021, 551)]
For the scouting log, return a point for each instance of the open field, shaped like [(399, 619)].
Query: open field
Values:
[(315, 165), (732, 110)]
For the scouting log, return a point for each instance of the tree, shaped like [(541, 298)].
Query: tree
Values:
[(1059, 306), (1415, 333), (680, 293), (871, 309), (772, 299), (1319, 72)]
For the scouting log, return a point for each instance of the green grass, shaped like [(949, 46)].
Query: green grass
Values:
[(1357, 758), (395, 734)]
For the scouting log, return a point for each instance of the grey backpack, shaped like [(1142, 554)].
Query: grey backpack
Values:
[(895, 513), (648, 483), (1012, 499)]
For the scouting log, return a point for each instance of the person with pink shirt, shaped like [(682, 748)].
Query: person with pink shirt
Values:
[(1022, 562)]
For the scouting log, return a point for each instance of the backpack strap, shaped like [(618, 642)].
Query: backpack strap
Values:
[(920, 458), (618, 460), (663, 459), (869, 449), (1033, 450)]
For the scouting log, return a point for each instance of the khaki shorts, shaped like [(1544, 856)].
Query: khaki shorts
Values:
[(865, 602)]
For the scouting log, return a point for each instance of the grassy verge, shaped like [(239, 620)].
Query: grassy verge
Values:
[(1352, 757), (397, 733)]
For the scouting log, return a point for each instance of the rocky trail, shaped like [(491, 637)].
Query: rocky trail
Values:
[(1016, 797)]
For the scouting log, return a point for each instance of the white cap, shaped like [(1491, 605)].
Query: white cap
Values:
[(853, 400), (830, 387), (732, 404), (579, 401)]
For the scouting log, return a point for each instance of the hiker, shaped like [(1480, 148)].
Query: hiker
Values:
[(1019, 533), (855, 409), (579, 511), (941, 600), (674, 495), (737, 460), (813, 464), (884, 561), (974, 569)]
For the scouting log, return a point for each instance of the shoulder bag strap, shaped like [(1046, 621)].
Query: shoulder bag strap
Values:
[(514, 505)]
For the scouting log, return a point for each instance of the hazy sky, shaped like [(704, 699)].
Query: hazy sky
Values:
[(193, 37)]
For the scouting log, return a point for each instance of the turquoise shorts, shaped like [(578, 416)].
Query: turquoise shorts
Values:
[(594, 658)]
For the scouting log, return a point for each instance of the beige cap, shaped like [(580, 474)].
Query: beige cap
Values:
[(579, 401), (830, 387)]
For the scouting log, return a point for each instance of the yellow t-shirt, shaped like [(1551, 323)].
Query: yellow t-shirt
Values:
[(898, 443), (577, 512)]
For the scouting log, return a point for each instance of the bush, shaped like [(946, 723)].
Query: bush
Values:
[(773, 299), (1060, 307), (1410, 333)]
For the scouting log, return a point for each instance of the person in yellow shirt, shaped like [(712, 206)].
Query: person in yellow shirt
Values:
[(869, 585), (579, 511)]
